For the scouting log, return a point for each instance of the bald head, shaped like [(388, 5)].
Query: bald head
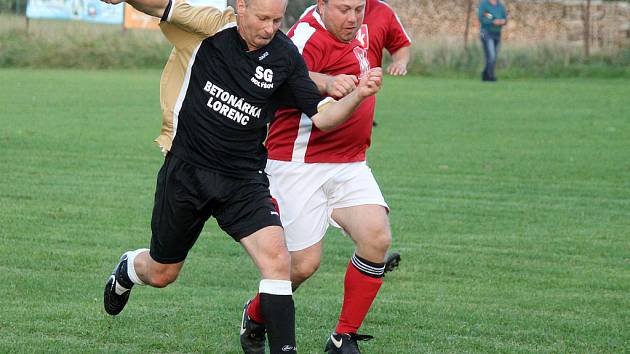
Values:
[(249, 2), (259, 20)]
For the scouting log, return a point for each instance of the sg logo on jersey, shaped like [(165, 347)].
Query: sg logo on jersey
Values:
[(363, 36), (263, 78)]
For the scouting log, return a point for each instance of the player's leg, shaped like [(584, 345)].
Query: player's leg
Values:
[(267, 249), (304, 263), (136, 268), (303, 208), (360, 210), (368, 226), (250, 217), (176, 223)]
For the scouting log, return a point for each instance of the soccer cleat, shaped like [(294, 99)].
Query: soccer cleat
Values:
[(392, 261), (345, 343), (252, 334), (112, 300)]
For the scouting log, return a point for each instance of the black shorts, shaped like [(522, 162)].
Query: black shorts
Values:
[(186, 196)]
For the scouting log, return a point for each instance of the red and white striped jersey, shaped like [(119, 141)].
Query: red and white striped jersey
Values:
[(292, 135)]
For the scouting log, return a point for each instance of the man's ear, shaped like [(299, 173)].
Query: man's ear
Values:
[(240, 6)]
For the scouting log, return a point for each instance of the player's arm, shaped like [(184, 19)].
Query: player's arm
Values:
[(334, 86), (400, 60), (204, 21), (328, 113), (397, 43), (313, 52), (338, 112), (150, 7)]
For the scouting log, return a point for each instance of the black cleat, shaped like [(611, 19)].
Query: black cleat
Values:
[(392, 261), (112, 301), (252, 334), (345, 343)]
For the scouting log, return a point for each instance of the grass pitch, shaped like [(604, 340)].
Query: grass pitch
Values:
[(510, 205)]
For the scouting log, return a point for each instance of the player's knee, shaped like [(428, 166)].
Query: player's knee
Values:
[(303, 271), (379, 240), (278, 264)]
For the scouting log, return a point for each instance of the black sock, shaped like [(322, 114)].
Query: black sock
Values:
[(279, 314)]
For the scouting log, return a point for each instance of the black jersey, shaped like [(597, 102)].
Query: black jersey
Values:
[(228, 97)]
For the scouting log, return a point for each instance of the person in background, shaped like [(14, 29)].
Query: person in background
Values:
[(492, 18)]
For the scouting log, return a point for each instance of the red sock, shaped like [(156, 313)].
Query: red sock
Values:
[(254, 311), (362, 282)]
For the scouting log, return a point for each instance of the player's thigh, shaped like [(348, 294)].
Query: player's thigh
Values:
[(176, 220), (357, 205), (303, 204)]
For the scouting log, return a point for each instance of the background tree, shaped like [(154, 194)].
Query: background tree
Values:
[(467, 28), (586, 19)]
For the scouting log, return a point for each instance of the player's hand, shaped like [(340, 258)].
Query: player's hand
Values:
[(370, 83), (341, 85), (397, 69)]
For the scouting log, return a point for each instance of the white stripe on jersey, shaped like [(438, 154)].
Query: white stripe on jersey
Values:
[(307, 10), (170, 12), (183, 90), (302, 33), (301, 141)]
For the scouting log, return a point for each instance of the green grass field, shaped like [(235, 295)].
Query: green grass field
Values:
[(510, 205)]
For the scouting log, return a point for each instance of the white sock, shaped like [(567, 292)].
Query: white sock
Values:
[(131, 269), (275, 287)]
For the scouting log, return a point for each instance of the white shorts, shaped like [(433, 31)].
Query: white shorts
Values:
[(307, 193)]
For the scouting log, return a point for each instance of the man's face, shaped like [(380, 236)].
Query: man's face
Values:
[(259, 20), (342, 18)]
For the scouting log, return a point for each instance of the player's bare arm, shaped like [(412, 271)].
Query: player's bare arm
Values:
[(150, 7), (335, 86), (400, 60), (341, 110)]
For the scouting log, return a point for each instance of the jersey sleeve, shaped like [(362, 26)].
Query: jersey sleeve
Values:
[(185, 25), (312, 54), (396, 36)]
